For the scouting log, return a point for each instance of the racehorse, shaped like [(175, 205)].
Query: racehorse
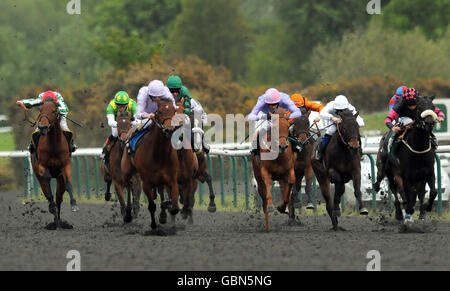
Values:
[(343, 163), (413, 166), (303, 168), (156, 160), (52, 160), (114, 173), (281, 168)]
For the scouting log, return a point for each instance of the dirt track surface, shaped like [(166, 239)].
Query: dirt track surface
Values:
[(216, 241)]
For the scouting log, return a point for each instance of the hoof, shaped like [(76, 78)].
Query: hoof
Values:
[(107, 196), (422, 216), (162, 219), (338, 228), (128, 217), (364, 211), (282, 209), (190, 220), (376, 187), (212, 208), (65, 225), (310, 206), (270, 209), (174, 211), (336, 213), (51, 226), (156, 232), (75, 208), (398, 215)]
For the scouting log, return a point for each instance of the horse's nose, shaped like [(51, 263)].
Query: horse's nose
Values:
[(354, 143), (303, 137)]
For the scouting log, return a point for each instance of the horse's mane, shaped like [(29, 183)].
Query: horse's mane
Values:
[(347, 113)]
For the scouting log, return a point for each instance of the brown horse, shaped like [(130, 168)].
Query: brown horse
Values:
[(281, 168), (343, 163), (52, 160), (114, 173), (156, 161), (187, 176), (303, 168)]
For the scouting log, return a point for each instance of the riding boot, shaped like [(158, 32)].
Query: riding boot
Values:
[(72, 147), (31, 148), (434, 142), (206, 147)]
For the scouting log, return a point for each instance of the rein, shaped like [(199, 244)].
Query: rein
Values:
[(343, 141), (402, 137)]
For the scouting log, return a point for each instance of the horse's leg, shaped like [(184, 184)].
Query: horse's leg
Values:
[(421, 194), (400, 187), (173, 190), (398, 209), (136, 190), (47, 190), (324, 183), (67, 173), (148, 190), (194, 185), (339, 191), (411, 195), (357, 187), (164, 205), (309, 176), (108, 181), (267, 178), (186, 186), (433, 193), (296, 203), (60, 189), (205, 177), (128, 216), (119, 190)]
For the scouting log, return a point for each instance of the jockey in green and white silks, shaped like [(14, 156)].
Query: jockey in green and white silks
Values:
[(191, 106), (121, 103), (63, 110)]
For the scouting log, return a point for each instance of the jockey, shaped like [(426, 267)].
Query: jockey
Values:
[(121, 103), (190, 105), (268, 103), (398, 94), (146, 100), (304, 105), (330, 114), (63, 110), (407, 110)]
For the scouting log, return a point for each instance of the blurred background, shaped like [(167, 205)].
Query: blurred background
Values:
[(228, 52)]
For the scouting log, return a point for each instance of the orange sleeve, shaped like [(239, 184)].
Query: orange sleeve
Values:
[(313, 106)]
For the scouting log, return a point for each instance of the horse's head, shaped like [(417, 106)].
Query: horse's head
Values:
[(426, 116), (282, 116), (48, 117), (349, 129), (301, 127), (124, 120), (164, 115)]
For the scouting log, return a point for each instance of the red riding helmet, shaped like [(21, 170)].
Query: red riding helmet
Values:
[(411, 96), (49, 94)]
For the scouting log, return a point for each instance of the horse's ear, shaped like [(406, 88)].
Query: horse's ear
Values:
[(432, 97), (308, 113)]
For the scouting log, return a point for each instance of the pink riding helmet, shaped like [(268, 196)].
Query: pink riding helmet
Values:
[(272, 96)]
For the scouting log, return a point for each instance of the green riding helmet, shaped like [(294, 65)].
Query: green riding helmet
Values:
[(174, 82), (122, 98)]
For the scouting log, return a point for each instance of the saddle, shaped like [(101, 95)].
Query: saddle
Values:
[(133, 141)]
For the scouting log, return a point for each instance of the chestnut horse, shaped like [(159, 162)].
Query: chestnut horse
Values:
[(156, 161), (343, 163), (114, 173), (52, 160), (303, 168), (281, 168)]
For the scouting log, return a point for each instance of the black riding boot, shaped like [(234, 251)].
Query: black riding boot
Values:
[(72, 146), (31, 148), (434, 142)]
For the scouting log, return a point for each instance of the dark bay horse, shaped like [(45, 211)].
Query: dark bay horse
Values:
[(343, 163), (114, 173), (281, 168), (52, 160), (156, 161), (303, 167), (413, 167)]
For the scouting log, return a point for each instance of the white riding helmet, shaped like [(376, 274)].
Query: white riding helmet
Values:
[(156, 88), (341, 103)]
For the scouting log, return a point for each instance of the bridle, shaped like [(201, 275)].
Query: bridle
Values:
[(350, 147)]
